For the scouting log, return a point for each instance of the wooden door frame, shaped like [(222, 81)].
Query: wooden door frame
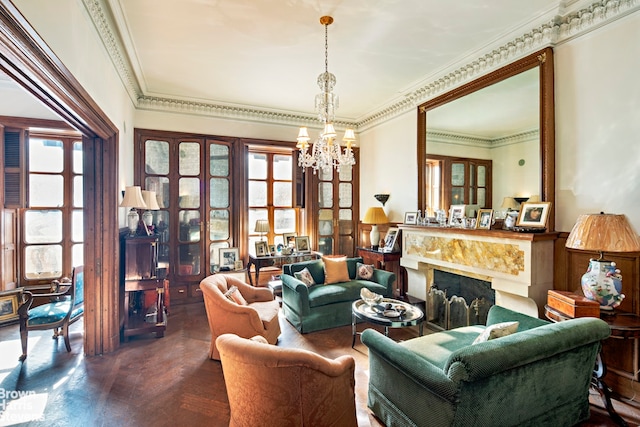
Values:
[(27, 59)]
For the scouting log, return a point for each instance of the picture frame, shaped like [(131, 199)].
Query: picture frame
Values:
[(272, 250), (9, 303), (411, 218), (302, 244), (457, 215), (228, 257), (391, 240), (262, 248), (239, 265), (533, 215), (484, 219), (289, 239)]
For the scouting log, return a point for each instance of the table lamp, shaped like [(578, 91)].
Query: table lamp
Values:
[(151, 201), (375, 216), (133, 199), (262, 226), (603, 233)]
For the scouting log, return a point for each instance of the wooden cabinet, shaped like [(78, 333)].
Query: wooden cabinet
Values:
[(143, 292)]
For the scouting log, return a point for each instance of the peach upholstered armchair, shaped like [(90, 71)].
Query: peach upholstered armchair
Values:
[(275, 386), (247, 312)]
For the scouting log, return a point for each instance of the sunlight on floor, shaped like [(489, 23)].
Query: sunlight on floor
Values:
[(11, 350), (18, 407)]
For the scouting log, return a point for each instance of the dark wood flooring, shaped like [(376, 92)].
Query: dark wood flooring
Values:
[(165, 381)]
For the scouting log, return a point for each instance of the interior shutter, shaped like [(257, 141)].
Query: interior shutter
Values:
[(15, 168)]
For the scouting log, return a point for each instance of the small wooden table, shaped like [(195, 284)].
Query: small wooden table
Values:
[(276, 260), (623, 325), (389, 261)]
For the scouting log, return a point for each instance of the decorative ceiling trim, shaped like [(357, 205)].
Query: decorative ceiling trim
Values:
[(445, 137), (557, 31)]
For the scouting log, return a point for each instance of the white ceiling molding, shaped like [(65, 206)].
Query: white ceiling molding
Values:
[(559, 30), (451, 138)]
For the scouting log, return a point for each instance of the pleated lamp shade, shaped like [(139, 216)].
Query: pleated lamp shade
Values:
[(603, 233)]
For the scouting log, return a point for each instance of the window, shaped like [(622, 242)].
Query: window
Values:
[(270, 195), (52, 226)]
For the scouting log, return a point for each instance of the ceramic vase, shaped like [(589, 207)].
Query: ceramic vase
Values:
[(603, 283)]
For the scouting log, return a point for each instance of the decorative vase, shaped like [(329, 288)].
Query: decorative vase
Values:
[(603, 283)]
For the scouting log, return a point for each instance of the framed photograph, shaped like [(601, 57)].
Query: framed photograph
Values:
[(272, 250), (289, 239), (239, 265), (228, 257), (262, 248), (302, 244), (391, 241), (484, 219), (456, 215), (410, 218), (533, 214), (9, 305)]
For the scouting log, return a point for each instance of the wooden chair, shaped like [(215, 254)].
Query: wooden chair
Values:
[(65, 306)]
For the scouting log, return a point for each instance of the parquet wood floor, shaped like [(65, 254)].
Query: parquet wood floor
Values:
[(160, 381)]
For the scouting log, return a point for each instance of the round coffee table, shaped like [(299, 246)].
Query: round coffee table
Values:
[(361, 310)]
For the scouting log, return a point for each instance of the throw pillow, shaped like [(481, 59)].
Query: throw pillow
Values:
[(364, 271), (305, 277), (498, 330), (335, 270), (233, 294)]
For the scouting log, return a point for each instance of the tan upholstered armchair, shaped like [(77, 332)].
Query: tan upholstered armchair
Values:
[(269, 385), (258, 317)]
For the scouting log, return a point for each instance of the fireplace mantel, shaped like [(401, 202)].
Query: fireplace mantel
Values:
[(518, 265)]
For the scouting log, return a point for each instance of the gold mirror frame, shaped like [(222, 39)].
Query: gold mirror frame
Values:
[(542, 59)]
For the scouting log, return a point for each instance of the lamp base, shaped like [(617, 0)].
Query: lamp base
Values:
[(374, 237), (603, 283)]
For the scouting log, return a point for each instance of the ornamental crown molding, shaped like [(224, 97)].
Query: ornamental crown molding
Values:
[(559, 30), (451, 138)]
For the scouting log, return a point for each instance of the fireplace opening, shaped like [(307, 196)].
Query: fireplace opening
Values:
[(455, 300)]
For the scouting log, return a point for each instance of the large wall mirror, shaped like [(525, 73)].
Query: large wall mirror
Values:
[(505, 118)]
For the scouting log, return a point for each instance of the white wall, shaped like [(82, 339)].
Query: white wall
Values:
[(388, 164), (598, 123)]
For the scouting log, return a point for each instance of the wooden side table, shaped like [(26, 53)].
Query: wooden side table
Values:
[(259, 262), (389, 261), (623, 325)]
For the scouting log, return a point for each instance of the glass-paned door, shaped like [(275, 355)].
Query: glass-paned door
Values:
[(219, 203), (336, 211)]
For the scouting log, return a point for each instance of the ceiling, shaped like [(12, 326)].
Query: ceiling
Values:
[(267, 54)]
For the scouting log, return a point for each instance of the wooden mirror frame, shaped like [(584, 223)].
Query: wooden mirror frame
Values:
[(542, 59)]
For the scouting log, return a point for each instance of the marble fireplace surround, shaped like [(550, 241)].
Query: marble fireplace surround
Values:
[(518, 265)]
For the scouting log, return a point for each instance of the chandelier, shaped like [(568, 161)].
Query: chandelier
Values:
[(326, 152)]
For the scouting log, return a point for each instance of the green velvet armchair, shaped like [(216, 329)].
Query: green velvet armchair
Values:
[(538, 376)]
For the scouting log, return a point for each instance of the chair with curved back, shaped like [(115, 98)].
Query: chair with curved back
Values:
[(65, 306), (253, 312), (275, 386)]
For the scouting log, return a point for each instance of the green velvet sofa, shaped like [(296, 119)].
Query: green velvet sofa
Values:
[(538, 376), (321, 306)]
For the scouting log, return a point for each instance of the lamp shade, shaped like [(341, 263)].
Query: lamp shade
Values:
[(375, 215), (603, 233), (262, 226), (133, 198), (150, 200), (509, 203)]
